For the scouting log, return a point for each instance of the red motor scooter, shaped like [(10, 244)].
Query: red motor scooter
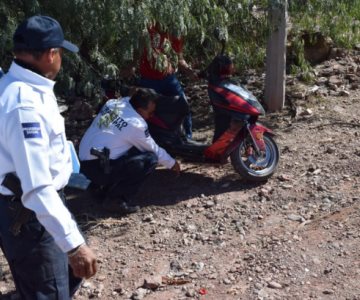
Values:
[(253, 152)]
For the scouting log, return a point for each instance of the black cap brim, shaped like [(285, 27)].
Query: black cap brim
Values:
[(69, 46)]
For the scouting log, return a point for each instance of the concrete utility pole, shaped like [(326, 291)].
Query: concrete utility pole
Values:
[(276, 56)]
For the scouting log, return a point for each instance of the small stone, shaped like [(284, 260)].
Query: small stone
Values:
[(305, 112), (101, 278), (209, 204), (287, 186), (330, 150), (262, 294), (139, 294), (226, 281), (213, 276), (274, 285), (190, 293), (297, 218), (175, 266), (317, 171), (86, 284), (148, 218), (344, 93), (258, 286), (284, 177)]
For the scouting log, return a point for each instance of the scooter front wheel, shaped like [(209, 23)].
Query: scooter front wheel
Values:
[(253, 166)]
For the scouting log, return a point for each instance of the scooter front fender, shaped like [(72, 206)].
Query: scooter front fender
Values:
[(256, 132), (262, 128)]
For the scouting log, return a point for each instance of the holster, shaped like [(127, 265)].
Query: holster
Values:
[(104, 157), (22, 214)]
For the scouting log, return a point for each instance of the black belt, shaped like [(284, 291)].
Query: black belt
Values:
[(9, 197), (19, 213)]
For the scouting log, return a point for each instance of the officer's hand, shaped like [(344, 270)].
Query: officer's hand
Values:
[(176, 168), (83, 262)]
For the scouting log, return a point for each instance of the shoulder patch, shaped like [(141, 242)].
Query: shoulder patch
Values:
[(147, 133), (31, 130)]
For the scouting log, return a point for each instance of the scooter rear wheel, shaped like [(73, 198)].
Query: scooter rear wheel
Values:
[(254, 167)]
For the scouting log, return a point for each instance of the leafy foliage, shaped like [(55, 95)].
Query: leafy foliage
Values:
[(339, 20), (109, 32)]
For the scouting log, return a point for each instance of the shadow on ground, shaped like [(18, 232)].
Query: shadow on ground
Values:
[(161, 189)]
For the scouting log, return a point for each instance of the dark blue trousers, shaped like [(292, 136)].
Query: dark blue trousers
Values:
[(169, 86), (127, 173), (39, 268)]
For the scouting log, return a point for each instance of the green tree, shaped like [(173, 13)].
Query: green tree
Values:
[(108, 31)]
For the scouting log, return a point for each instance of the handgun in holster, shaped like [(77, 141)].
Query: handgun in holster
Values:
[(22, 215), (104, 157)]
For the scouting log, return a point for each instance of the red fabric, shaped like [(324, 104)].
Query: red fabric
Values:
[(157, 38), (158, 122), (218, 148)]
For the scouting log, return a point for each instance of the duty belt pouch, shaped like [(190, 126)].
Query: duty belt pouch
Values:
[(21, 213)]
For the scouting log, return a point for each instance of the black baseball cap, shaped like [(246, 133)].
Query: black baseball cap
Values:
[(41, 32)]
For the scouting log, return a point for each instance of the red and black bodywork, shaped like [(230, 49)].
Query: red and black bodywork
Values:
[(234, 104), (236, 112)]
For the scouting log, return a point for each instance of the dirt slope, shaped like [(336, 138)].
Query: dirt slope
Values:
[(210, 235)]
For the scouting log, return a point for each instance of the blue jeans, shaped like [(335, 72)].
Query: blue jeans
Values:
[(39, 268), (169, 86)]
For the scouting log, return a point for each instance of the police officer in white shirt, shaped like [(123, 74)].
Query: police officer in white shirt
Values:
[(33, 147), (120, 127)]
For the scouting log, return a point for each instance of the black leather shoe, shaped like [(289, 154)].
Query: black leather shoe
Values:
[(114, 206), (129, 208)]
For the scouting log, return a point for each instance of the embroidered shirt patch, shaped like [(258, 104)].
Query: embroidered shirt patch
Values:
[(31, 130)]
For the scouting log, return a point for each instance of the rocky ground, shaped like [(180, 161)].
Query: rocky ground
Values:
[(210, 235)]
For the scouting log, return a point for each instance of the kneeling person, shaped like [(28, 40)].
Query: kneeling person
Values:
[(120, 126)]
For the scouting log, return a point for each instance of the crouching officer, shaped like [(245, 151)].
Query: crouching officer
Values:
[(33, 147), (120, 128)]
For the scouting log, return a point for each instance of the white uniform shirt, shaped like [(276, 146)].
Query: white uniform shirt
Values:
[(33, 145), (119, 127)]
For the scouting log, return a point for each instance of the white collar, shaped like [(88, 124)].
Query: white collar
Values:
[(31, 77)]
